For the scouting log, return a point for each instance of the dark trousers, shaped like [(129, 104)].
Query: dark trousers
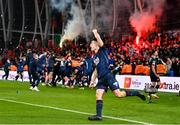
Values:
[(54, 80), (19, 74), (6, 74), (30, 77), (35, 79)]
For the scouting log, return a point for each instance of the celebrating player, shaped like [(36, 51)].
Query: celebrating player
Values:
[(105, 77)]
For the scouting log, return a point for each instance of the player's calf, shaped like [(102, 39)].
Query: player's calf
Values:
[(150, 90)]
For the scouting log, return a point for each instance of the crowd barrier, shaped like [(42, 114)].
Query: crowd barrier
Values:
[(168, 84)]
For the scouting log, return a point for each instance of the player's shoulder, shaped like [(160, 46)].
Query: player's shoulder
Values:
[(103, 48), (150, 59)]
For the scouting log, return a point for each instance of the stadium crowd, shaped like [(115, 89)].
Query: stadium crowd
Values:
[(73, 64)]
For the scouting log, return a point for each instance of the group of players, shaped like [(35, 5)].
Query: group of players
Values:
[(50, 68)]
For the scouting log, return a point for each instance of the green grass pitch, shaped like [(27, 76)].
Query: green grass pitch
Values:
[(56, 105)]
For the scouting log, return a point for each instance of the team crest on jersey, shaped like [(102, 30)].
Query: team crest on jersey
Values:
[(116, 84), (96, 61)]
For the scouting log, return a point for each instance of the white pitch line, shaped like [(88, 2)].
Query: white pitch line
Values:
[(74, 111)]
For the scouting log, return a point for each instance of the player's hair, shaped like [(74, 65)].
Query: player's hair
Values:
[(93, 41), (152, 52)]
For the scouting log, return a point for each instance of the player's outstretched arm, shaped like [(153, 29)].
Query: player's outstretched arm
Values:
[(97, 36)]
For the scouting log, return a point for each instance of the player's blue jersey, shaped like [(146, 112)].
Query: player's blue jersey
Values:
[(101, 62), (68, 67), (62, 66), (41, 63), (29, 58), (20, 66), (42, 59), (40, 67), (88, 65), (33, 65), (51, 62)]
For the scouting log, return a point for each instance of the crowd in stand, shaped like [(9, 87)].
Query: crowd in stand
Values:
[(73, 64)]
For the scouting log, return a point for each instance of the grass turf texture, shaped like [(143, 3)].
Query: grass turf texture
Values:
[(165, 110)]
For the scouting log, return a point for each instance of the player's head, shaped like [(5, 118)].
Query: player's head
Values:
[(94, 46), (29, 51), (35, 56), (8, 60), (154, 53)]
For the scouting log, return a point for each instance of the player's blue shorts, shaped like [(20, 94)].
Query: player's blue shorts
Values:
[(107, 81), (50, 69)]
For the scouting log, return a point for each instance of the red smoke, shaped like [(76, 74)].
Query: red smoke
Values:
[(145, 21)]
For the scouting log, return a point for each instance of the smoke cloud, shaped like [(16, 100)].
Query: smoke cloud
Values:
[(145, 21), (104, 14), (75, 25), (60, 5), (141, 21)]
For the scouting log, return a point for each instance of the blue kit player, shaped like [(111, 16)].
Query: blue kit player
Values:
[(105, 77), (6, 69), (33, 70), (20, 69), (29, 59)]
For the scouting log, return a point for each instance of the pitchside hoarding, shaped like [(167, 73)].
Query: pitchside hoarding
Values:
[(12, 75), (168, 84)]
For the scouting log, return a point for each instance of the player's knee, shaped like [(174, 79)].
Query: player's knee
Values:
[(99, 95), (119, 94)]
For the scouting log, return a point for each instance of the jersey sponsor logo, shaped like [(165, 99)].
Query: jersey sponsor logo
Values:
[(96, 61), (127, 82)]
